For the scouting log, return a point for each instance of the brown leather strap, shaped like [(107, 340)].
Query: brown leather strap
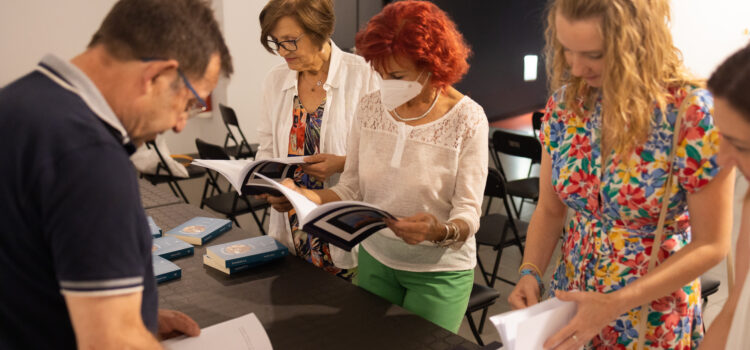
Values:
[(659, 234)]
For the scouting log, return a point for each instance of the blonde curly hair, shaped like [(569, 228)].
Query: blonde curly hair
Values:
[(640, 64)]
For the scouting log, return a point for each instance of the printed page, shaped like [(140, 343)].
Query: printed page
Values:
[(301, 204), (233, 170), (242, 333), (529, 328)]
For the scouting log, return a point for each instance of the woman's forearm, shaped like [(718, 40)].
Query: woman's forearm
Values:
[(543, 234), (320, 196)]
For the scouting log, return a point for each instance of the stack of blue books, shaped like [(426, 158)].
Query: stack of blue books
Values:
[(200, 230), (241, 255)]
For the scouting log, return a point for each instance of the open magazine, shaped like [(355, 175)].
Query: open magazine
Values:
[(343, 223), (529, 328), (242, 173)]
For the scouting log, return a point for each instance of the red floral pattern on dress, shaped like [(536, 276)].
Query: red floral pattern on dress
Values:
[(608, 241)]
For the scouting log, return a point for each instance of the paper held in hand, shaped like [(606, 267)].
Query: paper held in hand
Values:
[(245, 332), (241, 173), (529, 328), (343, 223)]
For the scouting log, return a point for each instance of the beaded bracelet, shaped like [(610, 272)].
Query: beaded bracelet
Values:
[(528, 271), (537, 269)]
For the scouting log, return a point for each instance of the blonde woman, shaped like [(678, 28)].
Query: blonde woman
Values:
[(619, 86)]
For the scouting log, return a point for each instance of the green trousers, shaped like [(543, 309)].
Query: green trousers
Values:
[(440, 297)]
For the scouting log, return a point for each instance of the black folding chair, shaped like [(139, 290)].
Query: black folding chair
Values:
[(164, 174), (241, 148), (497, 230), (228, 203), (518, 145), (482, 297), (536, 122)]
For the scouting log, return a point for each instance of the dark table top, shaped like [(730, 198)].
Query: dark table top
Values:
[(300, 306), (152, 196)]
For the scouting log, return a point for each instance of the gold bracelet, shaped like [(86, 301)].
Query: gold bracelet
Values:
[(538, 271)]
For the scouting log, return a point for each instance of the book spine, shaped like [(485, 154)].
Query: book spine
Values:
[(216, 232), (256, 258), (178, 253), (169, 276)]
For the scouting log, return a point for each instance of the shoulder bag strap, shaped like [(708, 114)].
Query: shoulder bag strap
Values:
[(659, 234)]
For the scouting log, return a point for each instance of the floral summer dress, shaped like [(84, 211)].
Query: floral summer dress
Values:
[(304, 140), (608, 240)]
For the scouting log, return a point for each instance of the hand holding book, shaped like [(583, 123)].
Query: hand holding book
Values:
[(321, 166)]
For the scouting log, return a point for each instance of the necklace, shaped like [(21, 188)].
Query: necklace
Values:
[(317, 83), (395, 114)]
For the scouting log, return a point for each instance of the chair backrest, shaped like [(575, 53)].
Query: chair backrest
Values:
[(228, 115), (162, 163), (210, 151), (518, 145), (536, 122), (495, 186)]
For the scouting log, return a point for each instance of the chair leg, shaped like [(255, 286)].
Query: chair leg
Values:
[(474, 329), (182, 194), (484, 318), (481, 268), (234, 219), (260, 223)]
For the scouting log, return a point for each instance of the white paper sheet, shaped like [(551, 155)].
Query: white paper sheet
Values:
[(242, 333), (529, 328)]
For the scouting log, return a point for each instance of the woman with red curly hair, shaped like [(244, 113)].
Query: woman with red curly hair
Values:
[(418, 149)]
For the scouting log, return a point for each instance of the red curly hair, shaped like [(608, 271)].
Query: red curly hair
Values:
[(420, 31)]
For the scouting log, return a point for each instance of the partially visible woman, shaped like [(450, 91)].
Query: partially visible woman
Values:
[(307, 110), (730, 85), (620, 86), (418, 150)]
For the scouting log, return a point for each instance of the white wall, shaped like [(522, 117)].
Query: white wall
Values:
[(31, 28), (708, 31), (705, 31)]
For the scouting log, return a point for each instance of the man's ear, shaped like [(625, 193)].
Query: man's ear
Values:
[(158, 72)]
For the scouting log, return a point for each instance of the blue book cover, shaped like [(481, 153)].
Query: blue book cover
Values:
[(165, 270), (208, 261), (247, 251), (170, 248), (155, 230), (199, 229)]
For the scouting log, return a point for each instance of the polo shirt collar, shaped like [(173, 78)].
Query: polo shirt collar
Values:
[(71, 78), (334, 79)]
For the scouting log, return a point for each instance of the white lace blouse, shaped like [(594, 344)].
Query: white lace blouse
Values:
[(439, 168)]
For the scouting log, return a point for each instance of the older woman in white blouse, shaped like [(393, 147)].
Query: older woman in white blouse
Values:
[(308, 107)]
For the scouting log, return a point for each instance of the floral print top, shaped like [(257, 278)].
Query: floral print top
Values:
[(607, 242), (304, 140)]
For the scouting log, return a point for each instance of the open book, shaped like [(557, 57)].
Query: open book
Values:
[(529, 328), (343, 223), (245, 332), (241, 173)]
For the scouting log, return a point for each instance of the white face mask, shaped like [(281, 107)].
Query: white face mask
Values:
[(394, 93)]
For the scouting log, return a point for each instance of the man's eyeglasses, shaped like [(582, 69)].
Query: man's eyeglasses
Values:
[(194, 106), (198, 105), (289, 45)]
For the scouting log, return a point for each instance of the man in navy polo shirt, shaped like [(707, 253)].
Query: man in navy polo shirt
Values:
[(75, 247)]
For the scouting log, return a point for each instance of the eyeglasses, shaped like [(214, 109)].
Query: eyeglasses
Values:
[(289, 45), (198, 105)]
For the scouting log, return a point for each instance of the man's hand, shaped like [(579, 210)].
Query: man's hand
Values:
[(173, 323)]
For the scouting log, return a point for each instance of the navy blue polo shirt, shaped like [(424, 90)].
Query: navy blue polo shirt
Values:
[(71, 217)]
